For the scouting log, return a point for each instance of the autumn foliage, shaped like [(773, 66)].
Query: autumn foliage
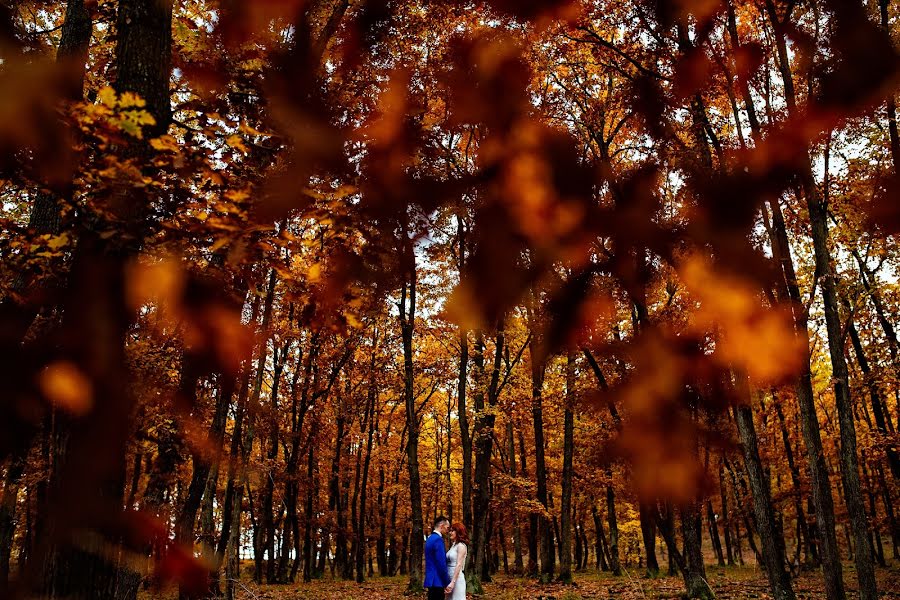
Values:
[(612, 283)]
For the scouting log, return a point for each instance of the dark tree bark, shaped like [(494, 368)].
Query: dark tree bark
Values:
[(488, 388), (565, 545), (11, 485), (95, 325), (726, 520), (840, 378), (849, 464), (407, 314), (648, 534), (773, 554), (268, 515), (518, 564), (713, 528), (809, 544), (372, 397), (789, 291), (881, 419), (542, 523)]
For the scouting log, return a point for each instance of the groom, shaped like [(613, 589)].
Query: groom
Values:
[(436, 576)]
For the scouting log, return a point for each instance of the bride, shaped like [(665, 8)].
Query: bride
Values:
[(456, 562)]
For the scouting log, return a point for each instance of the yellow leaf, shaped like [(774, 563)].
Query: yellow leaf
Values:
[(129, 99), (165, 142), (237, 143), (107, 96), (58, 241)]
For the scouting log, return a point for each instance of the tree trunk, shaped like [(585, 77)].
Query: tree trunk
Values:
[(565, 546), (370, 419), (11, 487), (648, 534), (95, 326), (483, 434), (849, 467), (519, 563), (770, 539), (614, 563), (840, 378), (713, 528), (819, 480), (407, 324)]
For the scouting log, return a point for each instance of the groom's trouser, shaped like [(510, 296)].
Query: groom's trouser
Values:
[(435, 593)]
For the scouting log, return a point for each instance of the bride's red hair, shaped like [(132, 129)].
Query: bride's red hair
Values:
[(461, 534)]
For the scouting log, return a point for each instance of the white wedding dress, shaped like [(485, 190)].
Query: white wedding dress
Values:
[(459, 590)]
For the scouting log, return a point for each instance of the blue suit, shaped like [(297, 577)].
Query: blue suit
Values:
[(436, 575)]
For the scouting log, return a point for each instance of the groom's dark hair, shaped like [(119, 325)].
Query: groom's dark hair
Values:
[(439, 520)]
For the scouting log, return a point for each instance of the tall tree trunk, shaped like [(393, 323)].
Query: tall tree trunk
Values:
[(648, 534), (518, 565), (266, 498), (726, 520), (770, 538), (840, 378), (483, 434), (407, 324), (565, 546), (370, 419), (95, 326), (819, 479), (543, 523), (849, 464), (532, 566), (614, 562)]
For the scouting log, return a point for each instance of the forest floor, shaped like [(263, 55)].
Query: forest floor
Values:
[(728, 583)]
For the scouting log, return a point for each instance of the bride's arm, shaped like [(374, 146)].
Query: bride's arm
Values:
[(460, 561)]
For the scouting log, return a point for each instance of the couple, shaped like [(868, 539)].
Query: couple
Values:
[(444, 576)]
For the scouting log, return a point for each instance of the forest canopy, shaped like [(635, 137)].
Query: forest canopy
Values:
[(611, 283)]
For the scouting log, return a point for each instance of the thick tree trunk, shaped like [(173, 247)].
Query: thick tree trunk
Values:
[(11, 486), (695, 575), (648, 534), (600, 540), (95, 325), (770, 538)]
